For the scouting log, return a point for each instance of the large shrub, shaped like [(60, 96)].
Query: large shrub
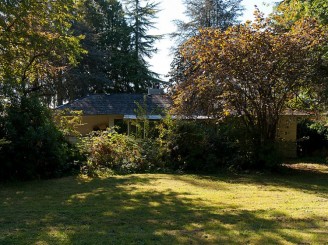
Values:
[(200, 145), (312, 138), (35, 148), (108, 151), (178, 145)]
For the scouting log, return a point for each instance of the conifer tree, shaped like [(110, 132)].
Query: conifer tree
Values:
[(117, 43), (141, 15), (207, 13)]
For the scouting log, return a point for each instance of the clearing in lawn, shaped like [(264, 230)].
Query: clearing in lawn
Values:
[(169, 209)]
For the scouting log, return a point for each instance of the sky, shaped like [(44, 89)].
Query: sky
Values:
[(173, 9)]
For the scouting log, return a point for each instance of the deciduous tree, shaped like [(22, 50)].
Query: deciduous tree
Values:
[(250, 71), (35, 43), (289, 11)]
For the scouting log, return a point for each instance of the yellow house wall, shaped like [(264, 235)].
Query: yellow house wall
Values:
[(88, 123), (286, 131), (287, 135)]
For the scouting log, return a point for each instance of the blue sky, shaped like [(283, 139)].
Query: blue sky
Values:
[(173, 9)]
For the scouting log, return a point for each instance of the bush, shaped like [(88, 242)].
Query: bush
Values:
[(198, 145), (312, 139), (268, 156), (36, 148), (108, 151), (210, 146), (180, 145)]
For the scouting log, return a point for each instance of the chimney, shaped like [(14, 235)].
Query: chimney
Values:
[(155, 90)]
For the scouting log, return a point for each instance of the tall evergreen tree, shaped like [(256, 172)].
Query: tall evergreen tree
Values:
[(141, 15), (107, 65), (117, 43), (201, 14), (207, 13)]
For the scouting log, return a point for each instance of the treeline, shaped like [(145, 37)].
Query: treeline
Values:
[(53, 52), (117, 44), (62, 50)]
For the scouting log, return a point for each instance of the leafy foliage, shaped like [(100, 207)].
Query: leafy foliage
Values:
[(289, 11), (108, 151), (312, 138), (39, 42), (36, 148), (250, 71), (35, 43), (67, 121), (179, 146), (196, 146)]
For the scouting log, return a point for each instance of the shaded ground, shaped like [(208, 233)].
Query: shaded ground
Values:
[(169, 209)]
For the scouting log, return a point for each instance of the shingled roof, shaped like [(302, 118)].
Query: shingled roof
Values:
[(119, 104)]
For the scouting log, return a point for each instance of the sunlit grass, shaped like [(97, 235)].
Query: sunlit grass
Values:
[(169, 209)]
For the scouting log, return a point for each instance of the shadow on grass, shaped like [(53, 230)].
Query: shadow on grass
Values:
[(120, 211), (305, 179)]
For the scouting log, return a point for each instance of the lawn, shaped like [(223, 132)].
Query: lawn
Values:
[(290, 208)]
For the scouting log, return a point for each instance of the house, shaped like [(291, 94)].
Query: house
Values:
[(287, 132), (101, 111)]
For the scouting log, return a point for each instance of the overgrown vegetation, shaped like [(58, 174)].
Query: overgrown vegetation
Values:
[(177, 145), (108, 151), (251, 71), (312, 138), (54, 51), (199, 145), (34, 147), (41, 150)]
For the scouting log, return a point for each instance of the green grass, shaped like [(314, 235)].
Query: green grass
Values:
[(169, 209)]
